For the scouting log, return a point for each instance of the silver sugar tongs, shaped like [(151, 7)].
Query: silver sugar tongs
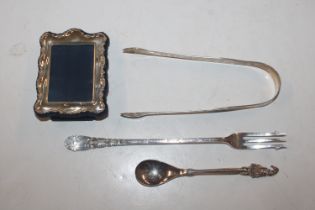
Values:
[(271, 71)]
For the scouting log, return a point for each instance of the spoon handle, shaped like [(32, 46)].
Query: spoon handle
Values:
[(254, 171)]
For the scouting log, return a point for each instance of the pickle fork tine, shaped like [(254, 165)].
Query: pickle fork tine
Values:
[(263, 140), (266, 134), (250, 140), (265, 146)]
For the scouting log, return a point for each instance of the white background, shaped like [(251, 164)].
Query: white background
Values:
[(37, 172)]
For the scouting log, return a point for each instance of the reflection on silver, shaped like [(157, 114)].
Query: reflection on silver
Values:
[(243, 140), (78, 143), (261, 66), (152, 173)]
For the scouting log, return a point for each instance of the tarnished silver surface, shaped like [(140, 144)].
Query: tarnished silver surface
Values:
[(261, 66), (256, 170), (71, 37), (244, 140), (153, 173)]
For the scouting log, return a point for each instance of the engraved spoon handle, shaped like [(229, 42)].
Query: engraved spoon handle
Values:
[(254, 171), (79, 143)]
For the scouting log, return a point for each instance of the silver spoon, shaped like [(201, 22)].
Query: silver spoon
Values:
[(152, 173)]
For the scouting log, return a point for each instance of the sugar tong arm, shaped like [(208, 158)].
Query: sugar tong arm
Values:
[(270, 70)]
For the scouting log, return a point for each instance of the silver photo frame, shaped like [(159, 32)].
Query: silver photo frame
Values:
[(54, 90)]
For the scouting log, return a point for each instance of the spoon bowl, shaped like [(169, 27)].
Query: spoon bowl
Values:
[(153, 173)]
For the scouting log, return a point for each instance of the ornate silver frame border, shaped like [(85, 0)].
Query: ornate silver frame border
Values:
[(72, 36)]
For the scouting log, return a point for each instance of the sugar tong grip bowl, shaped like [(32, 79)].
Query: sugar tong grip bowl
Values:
[(259, 65)]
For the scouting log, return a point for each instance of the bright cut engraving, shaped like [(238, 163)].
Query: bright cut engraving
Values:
[(71, 73)]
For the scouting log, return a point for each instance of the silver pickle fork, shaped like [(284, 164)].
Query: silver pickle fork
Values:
[(241, 140)]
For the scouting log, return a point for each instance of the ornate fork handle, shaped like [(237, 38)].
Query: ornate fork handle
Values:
[(78, 143)]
